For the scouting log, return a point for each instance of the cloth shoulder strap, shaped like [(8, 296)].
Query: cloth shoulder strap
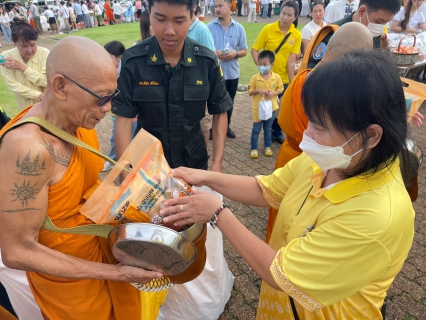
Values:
[(92, 230), (282, 42)]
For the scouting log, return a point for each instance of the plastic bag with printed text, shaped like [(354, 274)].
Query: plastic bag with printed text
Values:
[(140, 195)]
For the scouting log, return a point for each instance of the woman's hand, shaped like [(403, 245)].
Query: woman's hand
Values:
[(194, 177), (411, 30), (13, 64), (198, 208), (416, 120)]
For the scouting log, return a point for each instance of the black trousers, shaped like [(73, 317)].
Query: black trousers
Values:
[(231, 87), (239, 6), (269, 10)]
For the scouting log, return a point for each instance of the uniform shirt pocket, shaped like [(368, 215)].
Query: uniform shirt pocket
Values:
[(151, 106), (195, 98)]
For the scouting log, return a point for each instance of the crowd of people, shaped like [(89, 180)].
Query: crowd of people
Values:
[(337, 200), (72, 15)]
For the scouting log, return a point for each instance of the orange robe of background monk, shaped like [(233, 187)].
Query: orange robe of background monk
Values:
[(293, 121), (61, 298)]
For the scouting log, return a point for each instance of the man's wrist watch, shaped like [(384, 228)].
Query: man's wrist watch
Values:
[(236, 56)]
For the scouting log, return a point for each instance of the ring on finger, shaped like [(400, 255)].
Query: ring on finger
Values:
[(181, 208)]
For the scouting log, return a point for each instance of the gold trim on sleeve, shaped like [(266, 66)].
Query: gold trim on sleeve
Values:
[(308, 303), (267, 195)]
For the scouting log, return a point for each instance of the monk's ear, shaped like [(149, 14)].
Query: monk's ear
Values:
[(59, 87)]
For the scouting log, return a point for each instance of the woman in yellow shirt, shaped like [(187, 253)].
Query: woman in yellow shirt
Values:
[(283, 38), (345, 222), (24, 70)]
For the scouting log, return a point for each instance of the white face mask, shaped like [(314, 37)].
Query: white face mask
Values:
[(327, 157), (375, 29)]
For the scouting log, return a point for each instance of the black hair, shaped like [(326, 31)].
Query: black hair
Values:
[(268, 55), (188, 3), (392, 6), (23, 31), (406, 19), (317, 2), (144, 23), (353, 92), (114, 47), (295, 6)]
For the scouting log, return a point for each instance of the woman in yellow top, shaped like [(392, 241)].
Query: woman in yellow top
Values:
[(24, 70), (271, 38), (345, 223)]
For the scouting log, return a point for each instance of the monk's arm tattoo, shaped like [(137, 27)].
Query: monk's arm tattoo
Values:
[(59, 157), (23, 193)]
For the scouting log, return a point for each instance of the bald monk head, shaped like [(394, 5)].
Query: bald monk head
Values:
[(78, 60), (349, 37)]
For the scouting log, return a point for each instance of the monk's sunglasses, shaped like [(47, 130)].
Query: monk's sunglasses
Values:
[(102, 100)]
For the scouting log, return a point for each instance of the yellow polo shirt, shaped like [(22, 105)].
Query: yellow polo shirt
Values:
[(270, 38), (338, 253), (28, 85), (274, 83)]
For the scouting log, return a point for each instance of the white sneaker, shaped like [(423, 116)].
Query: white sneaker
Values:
[(107, 166)]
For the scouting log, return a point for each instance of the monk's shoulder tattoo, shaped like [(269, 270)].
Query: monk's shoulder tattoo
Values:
[(30, 165), (59, 157)]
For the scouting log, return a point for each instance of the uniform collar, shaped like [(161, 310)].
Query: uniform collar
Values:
[(194, 23), (217, 21), (277, 27), (354, 186), (259, 77), (156, 58)]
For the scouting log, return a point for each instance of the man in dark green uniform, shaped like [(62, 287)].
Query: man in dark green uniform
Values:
[(374, 14), (166, 80)]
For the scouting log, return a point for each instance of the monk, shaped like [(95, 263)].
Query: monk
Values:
[(41, 175), (292, 118)]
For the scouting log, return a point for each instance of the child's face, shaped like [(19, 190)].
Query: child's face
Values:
[(170, 24), (264, 62)]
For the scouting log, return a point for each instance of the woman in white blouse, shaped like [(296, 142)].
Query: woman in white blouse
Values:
[(308, 32), (409, 19), (5, 25)]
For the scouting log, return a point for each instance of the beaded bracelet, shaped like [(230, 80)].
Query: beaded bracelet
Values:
[(215, 218)]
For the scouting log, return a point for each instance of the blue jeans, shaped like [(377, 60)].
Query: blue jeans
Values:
[(276, 129), (267, 131), (112, 153), (7, 34), (264, 10)]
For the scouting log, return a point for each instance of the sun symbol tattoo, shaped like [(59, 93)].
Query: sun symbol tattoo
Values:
[(24, 193)]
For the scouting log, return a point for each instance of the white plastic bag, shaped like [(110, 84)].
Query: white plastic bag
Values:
[(206, 296), (265, 109)]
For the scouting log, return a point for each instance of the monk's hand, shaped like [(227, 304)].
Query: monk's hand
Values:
[(194, 177), (197, 208), (138, 275)]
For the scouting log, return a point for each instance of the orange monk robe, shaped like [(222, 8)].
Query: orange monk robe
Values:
[(293, 121), (234, 5), (61, 298)]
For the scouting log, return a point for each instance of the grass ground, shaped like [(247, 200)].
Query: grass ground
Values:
[(128, 33)]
